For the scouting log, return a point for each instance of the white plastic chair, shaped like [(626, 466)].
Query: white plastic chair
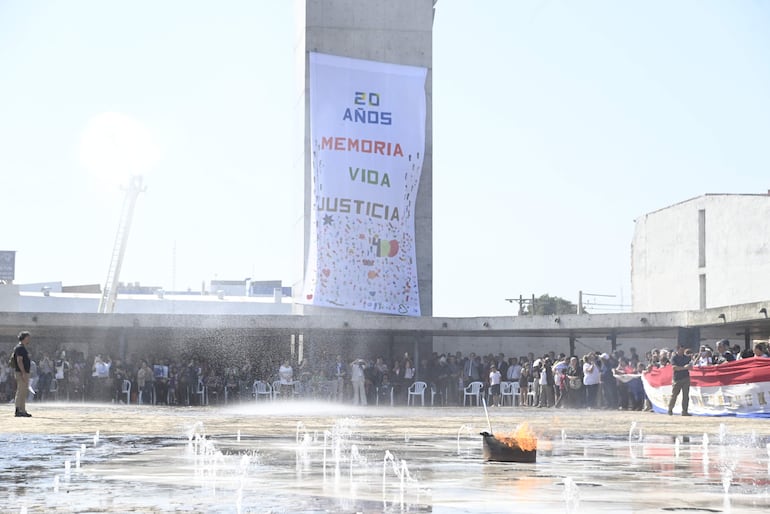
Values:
[(53, 389), (276, 389), (507, 391), (433, 393), (290, 390), (416, 389), (262, 389), (126, 389), (474, 391), (516, 400), (201, 392), (387, 388), (298, 388), (532, 394), (149, 401)]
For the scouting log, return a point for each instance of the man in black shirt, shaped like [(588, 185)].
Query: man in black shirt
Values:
[(21, 365), (681, 365)]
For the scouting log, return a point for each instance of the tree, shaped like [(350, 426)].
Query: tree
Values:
[(547, 305)]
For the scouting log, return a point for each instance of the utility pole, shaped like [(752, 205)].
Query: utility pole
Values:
[(522, 302), (581, 294)]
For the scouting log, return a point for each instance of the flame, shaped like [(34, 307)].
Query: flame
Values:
[(522, 437)]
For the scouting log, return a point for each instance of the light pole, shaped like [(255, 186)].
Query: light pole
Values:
[(110, 292)]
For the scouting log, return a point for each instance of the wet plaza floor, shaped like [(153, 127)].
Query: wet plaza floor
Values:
[(319, 457)]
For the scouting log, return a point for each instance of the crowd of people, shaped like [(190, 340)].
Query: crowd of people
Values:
[(597, 380)]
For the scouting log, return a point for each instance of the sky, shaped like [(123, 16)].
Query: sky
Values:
[(556, 124)]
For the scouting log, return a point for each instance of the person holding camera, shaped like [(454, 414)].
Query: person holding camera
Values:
[(358, 380), (591, 380)]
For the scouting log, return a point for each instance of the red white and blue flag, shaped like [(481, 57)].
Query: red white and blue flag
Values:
[(737, 388)]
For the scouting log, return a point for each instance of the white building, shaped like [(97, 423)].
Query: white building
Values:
[(709, 251), (52, 297)]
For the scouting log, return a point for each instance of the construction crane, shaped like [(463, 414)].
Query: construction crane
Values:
[(110, 291)]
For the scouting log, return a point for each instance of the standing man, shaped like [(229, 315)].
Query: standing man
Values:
[(144, 379), (21, 365), (608, 382), (513, 373), (455, 380), (338, 373), (471, 370), (681, 365), (357, 379), (502, 365), (286, 379)]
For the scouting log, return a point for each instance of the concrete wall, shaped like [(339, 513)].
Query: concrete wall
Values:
[(521, 346), (393, 31), (666, 250)]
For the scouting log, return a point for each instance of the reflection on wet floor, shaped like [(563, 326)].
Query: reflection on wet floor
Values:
[(384, 463)]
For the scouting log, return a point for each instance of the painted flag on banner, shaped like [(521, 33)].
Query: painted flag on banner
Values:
[(367, 138), (737, 388)]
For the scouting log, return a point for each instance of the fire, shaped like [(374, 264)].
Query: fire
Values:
[(522, 437)]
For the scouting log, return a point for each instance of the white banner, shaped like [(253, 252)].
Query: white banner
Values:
[(737, 388), (367, 132), (748, 400)]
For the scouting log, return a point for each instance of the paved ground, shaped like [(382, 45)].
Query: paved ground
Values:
[(58, 418), (299, 457)]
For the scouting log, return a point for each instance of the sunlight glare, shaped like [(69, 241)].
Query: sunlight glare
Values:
[(115, 146)]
